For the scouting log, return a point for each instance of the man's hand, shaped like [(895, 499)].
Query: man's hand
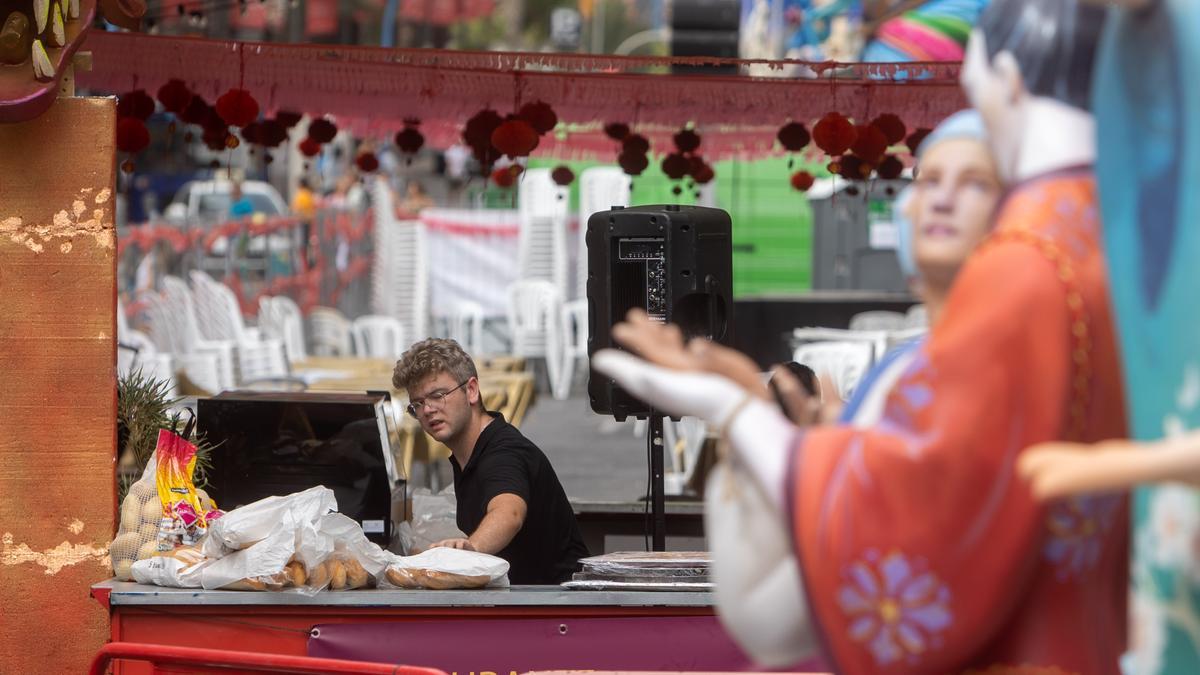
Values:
[(461, 544)]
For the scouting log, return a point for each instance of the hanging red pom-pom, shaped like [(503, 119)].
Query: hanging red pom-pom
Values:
[(704, 174), (271, 133), (410, 140), (802, 181), (890, 168), (675, 166), (322, 130), (540, 116), (196, 111), (136, 103), (562, 175), (252, 133), (486, 155), (174, 96), (237, 107), (696, 165), (478, 131), (892, 127), (515, 138), (503, 177), (914, 139), (214, 139), (633, 163), (616, 130), (367, 162), (635, 144), (213, 123), (309, 147), (870, 144), (793, 136), (851, 168), (687, 140), (132, 135), (834, 134), (287, 118)]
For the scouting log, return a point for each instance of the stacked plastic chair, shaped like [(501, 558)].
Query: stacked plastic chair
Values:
[(399, 273), (533, 322), (220, 317), (542, 207)]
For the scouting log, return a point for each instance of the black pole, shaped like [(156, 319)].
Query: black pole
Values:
[(658, 504)]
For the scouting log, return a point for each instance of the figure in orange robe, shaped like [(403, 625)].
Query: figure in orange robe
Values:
[(918, 544)]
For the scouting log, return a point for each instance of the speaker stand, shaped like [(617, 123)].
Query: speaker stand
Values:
[(658, 506)]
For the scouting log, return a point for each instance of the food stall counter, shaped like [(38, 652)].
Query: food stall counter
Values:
[(496, 631)]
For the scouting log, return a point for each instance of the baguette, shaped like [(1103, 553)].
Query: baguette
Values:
[(433, 579)]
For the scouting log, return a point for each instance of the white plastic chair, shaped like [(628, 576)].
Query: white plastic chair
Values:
[(279, 317), (533, 317), (878, 339), (916, 317), (330, 332), (682, 441), (136, 352), (378, 337), (573, 327), (219, 311), (844, 362), (466, 326), (399, 272), (878, 320), (600, 189), (177, 316), (542, 207)]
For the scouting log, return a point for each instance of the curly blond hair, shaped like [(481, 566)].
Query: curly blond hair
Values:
[(430, 357)]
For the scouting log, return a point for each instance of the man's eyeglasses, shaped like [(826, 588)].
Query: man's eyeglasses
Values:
[(436, 400)]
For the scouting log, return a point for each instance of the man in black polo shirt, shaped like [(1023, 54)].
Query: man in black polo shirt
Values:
[(509, 498)]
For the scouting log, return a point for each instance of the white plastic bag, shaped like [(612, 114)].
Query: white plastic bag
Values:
[(180, 568), (350, 560), (446, 568), (271, 564), (757, 588), (252, 523), (433, 521)]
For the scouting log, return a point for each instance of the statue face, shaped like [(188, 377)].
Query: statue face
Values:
[(953, 198), (993, 86)]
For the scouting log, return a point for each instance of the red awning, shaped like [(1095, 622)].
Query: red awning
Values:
[(375, 89)]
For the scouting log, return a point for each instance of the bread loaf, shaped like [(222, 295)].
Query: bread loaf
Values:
[(433, 579)]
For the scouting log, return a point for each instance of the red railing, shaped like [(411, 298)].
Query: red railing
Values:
[(168, 655)]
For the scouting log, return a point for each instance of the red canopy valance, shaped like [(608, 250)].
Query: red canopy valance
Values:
[(374, 89)]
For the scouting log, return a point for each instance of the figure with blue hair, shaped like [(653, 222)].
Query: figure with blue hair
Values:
[(1146, 104)]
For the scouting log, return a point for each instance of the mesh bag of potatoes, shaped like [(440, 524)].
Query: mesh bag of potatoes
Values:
[(446, 568), (139, 535)]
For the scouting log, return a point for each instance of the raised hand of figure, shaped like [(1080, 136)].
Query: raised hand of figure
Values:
[(757, 430), (663, 345), (658, 343), (1060, 469), (675, 391)]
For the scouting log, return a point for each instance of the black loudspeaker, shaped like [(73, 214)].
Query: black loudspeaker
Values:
[(675, 262), (705, 28)]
